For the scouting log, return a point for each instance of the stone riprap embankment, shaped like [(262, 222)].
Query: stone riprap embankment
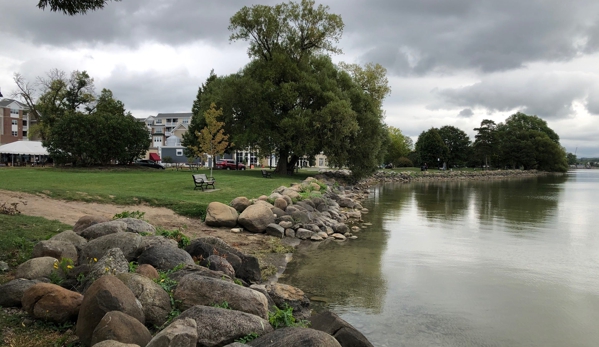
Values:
[(122, 284), (342, 176)]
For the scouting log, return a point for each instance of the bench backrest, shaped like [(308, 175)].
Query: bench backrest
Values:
[(199, 177)]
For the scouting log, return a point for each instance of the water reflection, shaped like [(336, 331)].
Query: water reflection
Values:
[(496, 263)]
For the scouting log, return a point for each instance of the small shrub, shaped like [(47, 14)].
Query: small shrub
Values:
[(238, 281), (129, 214), (247, 338), (133, 266), (284, 318), (177, 235), (223, 304), (404, 162)]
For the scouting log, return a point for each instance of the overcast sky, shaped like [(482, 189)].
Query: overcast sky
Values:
[(449, 62)]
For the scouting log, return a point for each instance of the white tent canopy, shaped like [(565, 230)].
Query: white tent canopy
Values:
[(24, 147)]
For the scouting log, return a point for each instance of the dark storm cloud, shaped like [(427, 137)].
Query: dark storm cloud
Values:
[(488, 35), (406, 36), (129, 23)]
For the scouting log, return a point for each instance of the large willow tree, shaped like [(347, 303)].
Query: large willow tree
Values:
[(291, 100)]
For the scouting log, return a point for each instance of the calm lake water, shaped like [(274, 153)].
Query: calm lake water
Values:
[(500, 263)]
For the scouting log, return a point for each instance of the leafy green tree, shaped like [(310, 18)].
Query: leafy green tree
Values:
[(197, 121), (398, 146), (73, 7), (486, 142), (55, 95), (291, 99), (528, 142), (211, 139), (458, 145), (572, 160), (431, 148), (106, 134)]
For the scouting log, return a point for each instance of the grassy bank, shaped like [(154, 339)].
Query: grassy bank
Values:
[(161, 188)]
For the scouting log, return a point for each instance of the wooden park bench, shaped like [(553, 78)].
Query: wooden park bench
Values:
[(266, 174), (201, 181)]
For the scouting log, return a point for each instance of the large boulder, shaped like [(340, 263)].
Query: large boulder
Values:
[(138, 226), (103, 229), (200, 290), (218, 263), (36, 268), (148, 271), (106, 294), (12, 292), (281, 203), (52, 303), (155, 301), (221, 215), (119, 326), (275, 230), (342, 331), (246, 266), (286, 295), (240, 203), (165, 257), (70, 236), (218, 327), (180, 333), (55, 249), (295, 337), (87, 221), (113, 343), (291, 193), (198, 270), (129, 243), (255, 218), (149, 241), (113, 262)]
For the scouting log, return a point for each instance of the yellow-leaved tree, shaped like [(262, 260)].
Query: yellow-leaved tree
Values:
[(211, 139)]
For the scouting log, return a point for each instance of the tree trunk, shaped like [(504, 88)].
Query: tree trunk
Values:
[(285, 165)]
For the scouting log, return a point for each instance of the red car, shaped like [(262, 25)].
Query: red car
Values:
[(229, 164)]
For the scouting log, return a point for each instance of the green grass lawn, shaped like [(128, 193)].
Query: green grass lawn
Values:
[(131, 186)]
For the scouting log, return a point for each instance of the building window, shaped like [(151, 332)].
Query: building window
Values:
[(175, 120), (320, 162), (14, 112), (157, 140), (24, 133), (179, 153), (15, 133), (158, 121), (24, 122), (185, 120), (15, 122)]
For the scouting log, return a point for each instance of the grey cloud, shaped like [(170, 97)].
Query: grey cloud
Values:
[(126, 23), (487, 35), (466, 113), (152, 91), (406, 36), (548, 95)]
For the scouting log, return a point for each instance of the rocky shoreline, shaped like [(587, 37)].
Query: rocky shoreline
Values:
[(119, 280)]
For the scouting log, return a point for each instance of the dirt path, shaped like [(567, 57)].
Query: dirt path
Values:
[(69, 212)]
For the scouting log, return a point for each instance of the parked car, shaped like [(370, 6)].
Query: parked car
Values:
[(149, 163), (229, 164)]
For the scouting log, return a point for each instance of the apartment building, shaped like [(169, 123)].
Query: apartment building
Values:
[(14, 121), (164, 126)]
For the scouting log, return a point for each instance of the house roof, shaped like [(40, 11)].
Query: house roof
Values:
[(8, 102), (174, 115)]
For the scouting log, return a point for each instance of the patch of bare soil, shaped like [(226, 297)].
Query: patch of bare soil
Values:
[(69, 212)]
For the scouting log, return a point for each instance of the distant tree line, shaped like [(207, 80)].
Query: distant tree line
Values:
[(522, 141)]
